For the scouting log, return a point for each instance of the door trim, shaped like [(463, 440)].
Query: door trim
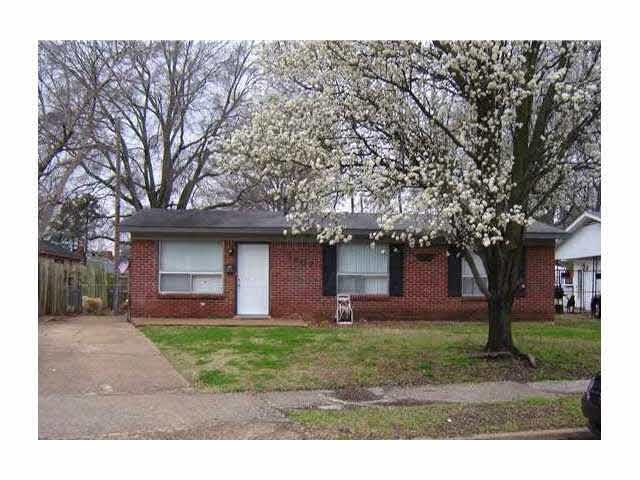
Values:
[(237, 262)]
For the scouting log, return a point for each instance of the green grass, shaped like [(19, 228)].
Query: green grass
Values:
[(442, 420), (289, 358), (215, 377)]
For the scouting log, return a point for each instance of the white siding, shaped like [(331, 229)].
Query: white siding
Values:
[(584, 243)]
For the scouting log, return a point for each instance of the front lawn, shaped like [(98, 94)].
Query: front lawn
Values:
[(442, 420), (291, 358)]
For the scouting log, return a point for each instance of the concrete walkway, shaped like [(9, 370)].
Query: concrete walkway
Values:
[(101, 378), (220, 322)]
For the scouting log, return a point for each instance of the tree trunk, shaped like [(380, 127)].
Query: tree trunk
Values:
[(500, 339), (502, 264)]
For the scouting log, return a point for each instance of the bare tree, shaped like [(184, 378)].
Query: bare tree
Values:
[(166, 112), (250, 191), (70, 77)]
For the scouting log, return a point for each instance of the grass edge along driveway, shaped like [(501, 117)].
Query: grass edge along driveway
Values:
[(223, 359)]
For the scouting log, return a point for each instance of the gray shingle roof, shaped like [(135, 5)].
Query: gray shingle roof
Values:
[(258, 222), (540, 228)]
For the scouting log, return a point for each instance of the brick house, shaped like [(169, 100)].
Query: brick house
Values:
[(216, 264)]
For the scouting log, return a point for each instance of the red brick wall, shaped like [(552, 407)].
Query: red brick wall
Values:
[(146, 301), (296, 280), (296, 288)]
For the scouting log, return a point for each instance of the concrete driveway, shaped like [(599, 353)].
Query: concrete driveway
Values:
[(99, 377), (97, 355)]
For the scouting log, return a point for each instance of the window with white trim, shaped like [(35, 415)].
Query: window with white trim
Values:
[(190, 266), (470, 286), (363, 270)]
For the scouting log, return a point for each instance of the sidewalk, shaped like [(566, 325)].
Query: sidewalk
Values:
[(487, 392), (189, 414)]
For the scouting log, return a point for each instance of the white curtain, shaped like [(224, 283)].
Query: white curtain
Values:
[(466, 269), (190, 256), (362, 284), (175, 282), (207, 283), (362, 269), (361, 258), (469, 285)]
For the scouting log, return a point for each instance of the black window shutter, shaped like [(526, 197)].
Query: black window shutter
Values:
[(329, 270), (522, 275), (396, 270), (454, 273)]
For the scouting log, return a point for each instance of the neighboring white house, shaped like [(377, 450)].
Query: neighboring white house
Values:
[(578, 259)]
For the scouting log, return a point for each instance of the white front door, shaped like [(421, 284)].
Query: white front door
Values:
[(253, 279)]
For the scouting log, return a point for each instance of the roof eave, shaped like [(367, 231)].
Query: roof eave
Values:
[(545, 235), (279, 231), (578, 221)]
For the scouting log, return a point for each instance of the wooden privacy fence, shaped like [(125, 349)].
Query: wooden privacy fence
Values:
[(62, 286)]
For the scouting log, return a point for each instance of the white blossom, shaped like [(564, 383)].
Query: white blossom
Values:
[(435, 123)]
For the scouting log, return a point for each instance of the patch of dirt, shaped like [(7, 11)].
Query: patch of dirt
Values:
[(356, 394)]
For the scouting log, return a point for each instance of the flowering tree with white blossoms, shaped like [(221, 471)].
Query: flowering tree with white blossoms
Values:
[(475, 138)]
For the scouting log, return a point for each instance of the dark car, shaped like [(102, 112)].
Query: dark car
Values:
[(591, 405)]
